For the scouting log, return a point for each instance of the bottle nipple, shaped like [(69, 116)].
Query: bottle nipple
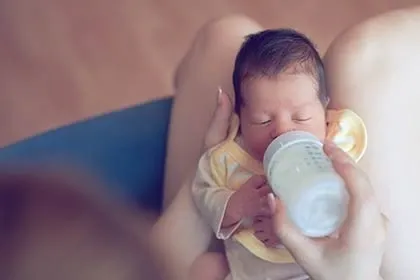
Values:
[(348, 131)]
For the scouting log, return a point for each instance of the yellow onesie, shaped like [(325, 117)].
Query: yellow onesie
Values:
[(224, 168)]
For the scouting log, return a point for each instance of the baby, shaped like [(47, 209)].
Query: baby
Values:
[(279, 86)]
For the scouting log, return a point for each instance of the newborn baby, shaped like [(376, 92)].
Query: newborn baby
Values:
[(279, 87)]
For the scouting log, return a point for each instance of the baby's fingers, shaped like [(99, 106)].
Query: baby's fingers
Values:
[(269, 240), (264, 191), (264, 211)]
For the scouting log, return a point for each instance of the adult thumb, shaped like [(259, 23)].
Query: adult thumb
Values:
[(219, 125), (305, 250)]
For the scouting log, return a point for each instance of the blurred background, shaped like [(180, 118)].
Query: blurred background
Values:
[(65, 60)]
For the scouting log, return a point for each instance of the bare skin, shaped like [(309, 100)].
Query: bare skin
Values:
[(371, 69), (59, 224), (357, 251)]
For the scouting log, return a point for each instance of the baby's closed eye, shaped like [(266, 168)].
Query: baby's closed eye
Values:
[(302, 118), (260, 120), (263, 122)]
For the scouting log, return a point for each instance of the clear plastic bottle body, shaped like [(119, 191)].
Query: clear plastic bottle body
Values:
[(302, 175)]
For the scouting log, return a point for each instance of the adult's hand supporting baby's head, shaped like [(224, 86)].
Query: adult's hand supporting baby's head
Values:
[(219, 125)]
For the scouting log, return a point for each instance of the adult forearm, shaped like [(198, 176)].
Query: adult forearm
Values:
[(179, 237)]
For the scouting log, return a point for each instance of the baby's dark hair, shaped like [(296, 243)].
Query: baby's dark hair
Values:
[(271, 52)]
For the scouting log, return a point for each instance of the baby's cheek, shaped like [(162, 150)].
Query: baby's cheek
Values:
[(319, 129), (259, 144), (321, 133)]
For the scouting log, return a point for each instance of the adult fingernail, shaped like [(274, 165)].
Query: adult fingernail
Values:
[(219, 95), (271, 203)]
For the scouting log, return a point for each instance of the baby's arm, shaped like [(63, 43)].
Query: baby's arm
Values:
[(212, 198), (224, 209)]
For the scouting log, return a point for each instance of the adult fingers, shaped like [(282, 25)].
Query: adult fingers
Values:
[(356, 181), (364, 221), (305, 250), (219, 125)]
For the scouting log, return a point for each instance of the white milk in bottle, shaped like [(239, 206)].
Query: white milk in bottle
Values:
[(301, 174)]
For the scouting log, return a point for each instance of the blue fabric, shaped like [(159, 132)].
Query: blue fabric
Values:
[(126, 149)]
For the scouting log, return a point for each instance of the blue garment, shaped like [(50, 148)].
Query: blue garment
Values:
[(126, 149)]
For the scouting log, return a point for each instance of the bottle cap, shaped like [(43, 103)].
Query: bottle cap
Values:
[(283, 141)]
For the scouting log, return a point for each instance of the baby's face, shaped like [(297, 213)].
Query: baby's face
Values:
[(273, 106)]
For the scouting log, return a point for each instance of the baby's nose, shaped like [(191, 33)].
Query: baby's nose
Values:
[(281, 128)]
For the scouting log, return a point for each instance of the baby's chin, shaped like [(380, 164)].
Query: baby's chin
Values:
[(257, 152), (259, 155)]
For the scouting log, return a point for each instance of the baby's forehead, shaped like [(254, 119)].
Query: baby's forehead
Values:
[(286, 80), (290, 91)]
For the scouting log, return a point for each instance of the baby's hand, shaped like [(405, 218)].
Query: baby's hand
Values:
[(249, 201), (264, 231)]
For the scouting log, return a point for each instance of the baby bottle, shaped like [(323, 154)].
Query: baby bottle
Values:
[(301, 174)]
